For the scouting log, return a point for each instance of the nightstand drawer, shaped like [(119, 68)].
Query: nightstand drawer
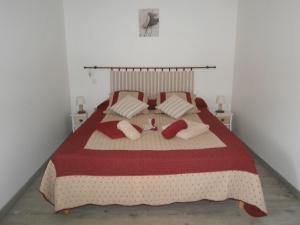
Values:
[(225, 119), (78, 119)]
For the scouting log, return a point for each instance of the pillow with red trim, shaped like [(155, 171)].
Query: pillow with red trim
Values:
[(174, 128), (175, 107), (129, 130), (187, 96), (193, 129), (116, 96), (129, 107), (110, 129)]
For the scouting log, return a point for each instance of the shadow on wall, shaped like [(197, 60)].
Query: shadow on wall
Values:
[(274, 148)]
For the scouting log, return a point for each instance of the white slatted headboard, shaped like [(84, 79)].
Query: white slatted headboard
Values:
[(152, 82)]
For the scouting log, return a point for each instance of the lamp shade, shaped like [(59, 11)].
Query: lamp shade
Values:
[(80, 100), (220, 99)]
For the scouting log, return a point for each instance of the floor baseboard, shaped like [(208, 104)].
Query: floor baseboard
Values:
[(5, 209), (292, 188), (22, 190)]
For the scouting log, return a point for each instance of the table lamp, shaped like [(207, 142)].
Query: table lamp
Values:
[(80, 101), (220, 100)]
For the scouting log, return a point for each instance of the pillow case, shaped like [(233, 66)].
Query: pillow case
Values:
[(116, 96), (175, 107), (129, 107), (110, 129), (171, 130), (187, 96)]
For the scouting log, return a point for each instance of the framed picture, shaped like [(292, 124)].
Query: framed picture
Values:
[(148, 22)]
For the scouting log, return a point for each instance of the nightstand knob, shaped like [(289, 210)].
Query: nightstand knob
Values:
[(81, 120), (222, 119)]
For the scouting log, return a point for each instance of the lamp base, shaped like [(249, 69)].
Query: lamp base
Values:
[(81, 112), (220, 111)]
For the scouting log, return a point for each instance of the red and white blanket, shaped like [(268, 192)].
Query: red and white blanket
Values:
[(76, 176)]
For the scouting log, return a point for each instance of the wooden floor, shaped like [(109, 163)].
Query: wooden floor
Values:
[(283, 208)]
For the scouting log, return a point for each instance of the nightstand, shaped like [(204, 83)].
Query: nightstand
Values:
[(225, 118), (78, 119)]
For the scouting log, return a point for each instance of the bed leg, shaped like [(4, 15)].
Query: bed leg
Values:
[(66, 211), (241, 205)]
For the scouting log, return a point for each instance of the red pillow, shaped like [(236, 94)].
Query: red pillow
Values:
[(151, 103), (103, 105), (200, 103), (174, 128), (110, 129)]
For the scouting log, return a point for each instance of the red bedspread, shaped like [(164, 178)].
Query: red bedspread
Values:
[(72, 159)]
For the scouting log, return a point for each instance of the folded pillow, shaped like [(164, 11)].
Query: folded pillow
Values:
[(110, 129), (128, 130), (187, 96), (129, 107), (174, 128), (175, 107), (193, 129)]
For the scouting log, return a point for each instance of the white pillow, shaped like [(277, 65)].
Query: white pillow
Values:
[(194, 129), (129, 107), (175, 107), (128, 130)]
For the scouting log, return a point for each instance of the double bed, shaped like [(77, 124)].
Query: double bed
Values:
[(90, 168)]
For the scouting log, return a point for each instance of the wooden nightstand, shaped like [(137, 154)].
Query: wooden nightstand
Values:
[(78, 119), (226, 119)]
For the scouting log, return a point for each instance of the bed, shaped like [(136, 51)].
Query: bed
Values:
[(89, 169)]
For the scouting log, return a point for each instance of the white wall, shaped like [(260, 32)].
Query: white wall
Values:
[(33, 89), (266, 91), (192, 32)]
